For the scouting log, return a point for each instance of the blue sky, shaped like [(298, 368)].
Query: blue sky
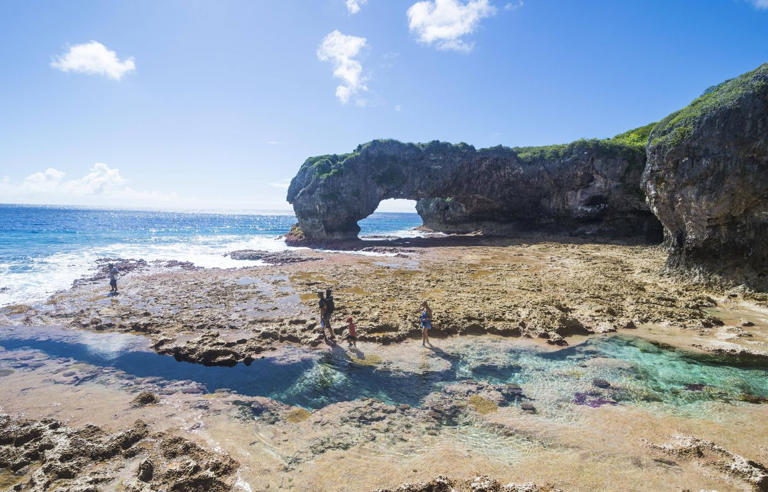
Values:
[(215, 104)]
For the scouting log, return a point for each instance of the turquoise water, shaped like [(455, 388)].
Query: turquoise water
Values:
[(617, 370), (43, 249)]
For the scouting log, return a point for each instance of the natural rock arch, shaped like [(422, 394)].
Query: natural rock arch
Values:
[(586, 187)]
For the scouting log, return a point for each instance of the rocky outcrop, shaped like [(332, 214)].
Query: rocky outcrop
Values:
[(45, 454), (710, 455), (480, 483), (586, 187), (707, 181)]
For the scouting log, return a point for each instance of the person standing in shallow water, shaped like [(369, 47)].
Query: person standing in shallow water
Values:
[(112, 278), (425, 320)]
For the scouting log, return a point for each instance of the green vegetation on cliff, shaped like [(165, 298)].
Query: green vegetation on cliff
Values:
[(629, 145), (676, 128), (637, 137)]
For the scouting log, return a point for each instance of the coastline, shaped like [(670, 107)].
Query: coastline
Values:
[(539, 295)]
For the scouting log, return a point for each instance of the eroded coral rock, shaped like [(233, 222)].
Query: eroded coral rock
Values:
[(586, 187), (710, 454), (43, 452), (480, 483), (706, 178)]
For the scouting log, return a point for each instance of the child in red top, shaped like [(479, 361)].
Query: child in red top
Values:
[(351, 333)]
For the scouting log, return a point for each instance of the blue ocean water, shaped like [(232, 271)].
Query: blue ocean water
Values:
[(43, 249)]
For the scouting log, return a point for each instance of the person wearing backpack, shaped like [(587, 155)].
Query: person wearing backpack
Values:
[(330, 307)]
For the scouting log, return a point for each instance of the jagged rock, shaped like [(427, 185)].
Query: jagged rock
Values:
[(45, 452), (271, 257), (145, 398), (586, 187), (480, 483), (710, 454), (706, 180), (102, 269), (146, 469)]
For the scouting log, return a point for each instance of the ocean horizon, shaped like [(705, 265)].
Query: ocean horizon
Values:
[(44, 248)]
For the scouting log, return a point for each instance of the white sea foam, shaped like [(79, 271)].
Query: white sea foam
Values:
[(34, 280)]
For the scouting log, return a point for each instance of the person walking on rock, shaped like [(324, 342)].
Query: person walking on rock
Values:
[(112, 278), (330, 307), (425, 320), (323, 308)]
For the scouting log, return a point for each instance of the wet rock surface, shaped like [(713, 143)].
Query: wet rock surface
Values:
[(539, 288), (270, 257), (480, 483), (711, 455), (706, 178), (45, 455)]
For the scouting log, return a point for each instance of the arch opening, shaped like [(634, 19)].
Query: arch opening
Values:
[(393, 217)]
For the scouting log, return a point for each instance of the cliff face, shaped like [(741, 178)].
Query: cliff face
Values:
[(587, 187), (707, 181)]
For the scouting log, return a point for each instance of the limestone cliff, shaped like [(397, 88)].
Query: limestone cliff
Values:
[(707, 181), (586, 187)]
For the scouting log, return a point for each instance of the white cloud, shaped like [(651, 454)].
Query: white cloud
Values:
[(444, 23), (341, 50), (519, 3), (102, 185), (94, 59), (353, 6), (760, 4), (398, 107)]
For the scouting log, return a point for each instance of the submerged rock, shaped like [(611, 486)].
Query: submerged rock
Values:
[(706, 178), (586, 187), (145, 398), (710, 454), (480, 483)]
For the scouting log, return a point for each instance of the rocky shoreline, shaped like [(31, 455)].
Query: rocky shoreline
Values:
[(541, 288)]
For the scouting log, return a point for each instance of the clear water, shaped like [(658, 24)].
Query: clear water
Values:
[(43, 249), (639, 373)]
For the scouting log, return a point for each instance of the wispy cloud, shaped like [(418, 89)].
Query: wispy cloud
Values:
[(93, 58), (282, 185), (518, 4), (760, 4), (444, 23), (341, 51), (353, 6), (101, 185)]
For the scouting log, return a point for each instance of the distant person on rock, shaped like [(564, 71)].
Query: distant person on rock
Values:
[(351, 337), (113, 278), (425, 320), (330, 307)]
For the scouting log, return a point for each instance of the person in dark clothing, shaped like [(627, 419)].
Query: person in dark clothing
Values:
[(112, 278), (328, 312), (322, 304)]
